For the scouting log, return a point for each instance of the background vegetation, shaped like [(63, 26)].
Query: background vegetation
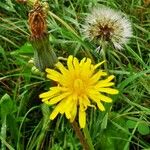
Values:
[(25, 120)]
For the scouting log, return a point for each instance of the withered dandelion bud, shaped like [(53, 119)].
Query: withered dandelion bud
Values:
[(37, 21), (44, 56), (22, 1)]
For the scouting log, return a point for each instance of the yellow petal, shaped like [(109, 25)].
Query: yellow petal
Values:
[(53, 92), (48, 70), (61, 67), (58, 98), (54, 75), (54, 114), (68, 114), (45, 100), (109, 90), (105, 98), (81, 104), (82, 61), (87, 65), (73, 108), (49, 94), (97, 76), (102, 84), (97, 96), (62, 105), (68, 107), (94, 95), (82, 118), (69, 63), (86, 101), (76, 63), (100, 106), (73, 113), (105, 83), (99, 64), (58, 109), (59, 88), (88, 62), (86, 69), (109, 78)]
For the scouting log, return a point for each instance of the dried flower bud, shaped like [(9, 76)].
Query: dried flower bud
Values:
[(22, 1), (44, 56), (37, 21), (146, 2)]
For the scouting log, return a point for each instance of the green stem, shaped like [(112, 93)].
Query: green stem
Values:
[(103, 52), (3, 132), (80, 135), (88, 138), (45, 126)]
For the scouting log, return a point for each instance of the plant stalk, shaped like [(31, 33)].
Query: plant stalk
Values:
[(88, 138), (85, 141)]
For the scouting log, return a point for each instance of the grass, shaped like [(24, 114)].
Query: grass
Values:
[(25, 120)]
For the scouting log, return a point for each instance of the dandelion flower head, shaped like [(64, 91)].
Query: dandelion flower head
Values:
[(80, 85), (107, 25)]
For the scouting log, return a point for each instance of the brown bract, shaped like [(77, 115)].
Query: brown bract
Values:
[(146, 2), (37, 21), (22, 1)]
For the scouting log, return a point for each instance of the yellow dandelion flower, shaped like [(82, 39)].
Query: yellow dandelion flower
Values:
[(79, 86)]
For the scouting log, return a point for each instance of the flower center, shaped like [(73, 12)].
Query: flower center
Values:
[(78, 86), (105, 32)]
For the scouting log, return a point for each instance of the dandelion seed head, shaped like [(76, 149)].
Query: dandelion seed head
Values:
[(107, 25)]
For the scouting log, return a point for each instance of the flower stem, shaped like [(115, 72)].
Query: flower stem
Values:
[(103, 52), (80, 135), (3, 132), (88, 138)]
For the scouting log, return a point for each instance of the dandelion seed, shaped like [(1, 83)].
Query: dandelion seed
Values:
[(107, 25), (80, 85)]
